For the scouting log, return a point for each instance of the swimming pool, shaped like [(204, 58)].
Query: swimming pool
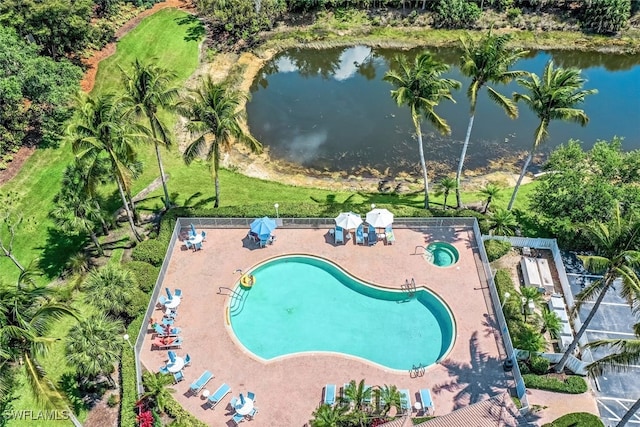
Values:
[(307, 304)]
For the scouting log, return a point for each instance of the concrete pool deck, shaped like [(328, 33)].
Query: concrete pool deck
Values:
[(289, 389)]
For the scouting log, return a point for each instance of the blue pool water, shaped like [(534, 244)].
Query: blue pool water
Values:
[(442, 254), (306, 304)]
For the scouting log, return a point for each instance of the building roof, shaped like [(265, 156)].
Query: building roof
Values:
[(498, 411)]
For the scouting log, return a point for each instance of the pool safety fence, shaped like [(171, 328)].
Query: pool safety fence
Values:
[(183, 225)]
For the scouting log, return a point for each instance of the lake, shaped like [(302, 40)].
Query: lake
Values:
[(330, 110)]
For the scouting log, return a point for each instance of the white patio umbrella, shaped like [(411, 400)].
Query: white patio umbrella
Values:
[(348, 220), (379, 218)]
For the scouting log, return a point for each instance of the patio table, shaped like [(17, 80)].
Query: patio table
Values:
[(176, 366), (173, 302), (246, 408), (194, 240)]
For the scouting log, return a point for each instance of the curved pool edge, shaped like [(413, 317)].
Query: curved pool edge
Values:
[(237, 285)]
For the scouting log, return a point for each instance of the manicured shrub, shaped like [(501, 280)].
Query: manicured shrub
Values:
[(496, 249), (504, 282), (571, 385), (524, 368), (129, 394), (150, 251), (175, 410), (577, 419), (144, 273), (539, 365)]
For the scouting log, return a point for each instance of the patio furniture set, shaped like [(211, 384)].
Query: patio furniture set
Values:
[(376, 219), (174, 366), (165, 334), (260, 231), (422, 407), (195, 239), (243, 406)]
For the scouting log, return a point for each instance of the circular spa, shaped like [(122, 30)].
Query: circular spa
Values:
[(441, 254), (306, 304)]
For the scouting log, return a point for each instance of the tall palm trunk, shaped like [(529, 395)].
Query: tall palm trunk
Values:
[(423, 163), (461, 161), (167, 203), (630, 413), (517, 187), (105, 229), (125, 203), (9, 255), (95, 241), (563, 361)]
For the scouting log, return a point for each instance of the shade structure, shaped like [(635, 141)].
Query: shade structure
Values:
[(348, 220), (263, 227), (379, 218)]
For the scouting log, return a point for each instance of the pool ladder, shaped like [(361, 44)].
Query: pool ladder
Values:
[(409, 287), (415, 250), (237, 300)]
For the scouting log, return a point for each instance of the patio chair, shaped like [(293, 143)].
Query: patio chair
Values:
[(177, 293), (162, 300), (372, 236), (389, 236), (329, 394), (360, 235), (177, 377), (427, 402), (163, 370), (187, 360), (204, 236), (202, 381), (169, 294), (198, 246), (158, 330), (187, 244), (251, 395), (338, 235), (168, 320), (218, 395), (405, 399), (234, 402), (237, 418), (192, 231), (172, 356), (253, 413), (263, 242)]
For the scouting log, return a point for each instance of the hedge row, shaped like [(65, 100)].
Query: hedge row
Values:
[(129, 393), (496, 249), (176, 411), (572, 385), (577, 419), (145, 274)]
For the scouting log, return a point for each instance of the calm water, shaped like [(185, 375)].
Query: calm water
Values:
[(330, 110), (303, 304)]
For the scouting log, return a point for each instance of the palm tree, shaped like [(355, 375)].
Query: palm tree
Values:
[(616, 259), (551, 322), (114, 291), (491, 191), (445, 185), (357, 393), (148, 91), (214, 114), (156, 390), (529, 339), (487, 61), (421, 88), (93, 346), (27, 310), (554, 97), (391, 398), (329, 416), (83, 180), (625, 354), (98, 129), (503, 223)]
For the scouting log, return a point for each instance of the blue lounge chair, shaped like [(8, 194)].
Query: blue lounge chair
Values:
[(177, 377), (338, 235), (372, 236), (187, 360), (405, 399), (202, 381), (389, 236), (360, 235), (329, 394), (427, 403), (237, 418), (177, 292), (218, 395)]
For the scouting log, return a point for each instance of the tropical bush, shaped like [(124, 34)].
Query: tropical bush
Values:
[(539, 365), (114, 291), (496, 249), (606, 16), (571, 385), (129, 393), (455, 14), (577, 419), (150, 251), (144, 273)]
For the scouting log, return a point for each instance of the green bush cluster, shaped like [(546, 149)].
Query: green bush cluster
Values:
[(577, 419), (129, 394), (496, 249), (150, 251), (571, 385), (539, 365), (176, 411), (144, 273)]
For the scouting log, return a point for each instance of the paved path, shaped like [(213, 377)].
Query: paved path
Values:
[(557, 404)]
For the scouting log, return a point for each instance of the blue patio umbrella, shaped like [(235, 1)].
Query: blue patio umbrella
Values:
[(263, 227)]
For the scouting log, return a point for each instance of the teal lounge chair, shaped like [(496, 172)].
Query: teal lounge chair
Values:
[(338, 235), (372, 236), (427, 403), (360, 235), (389, 236), (202, 381), (218, 395), (329, 394), (405, 400)]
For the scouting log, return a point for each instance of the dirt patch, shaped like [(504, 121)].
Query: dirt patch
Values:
[(16, 164)]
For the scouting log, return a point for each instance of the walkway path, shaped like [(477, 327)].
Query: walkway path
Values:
[(557, 404)]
